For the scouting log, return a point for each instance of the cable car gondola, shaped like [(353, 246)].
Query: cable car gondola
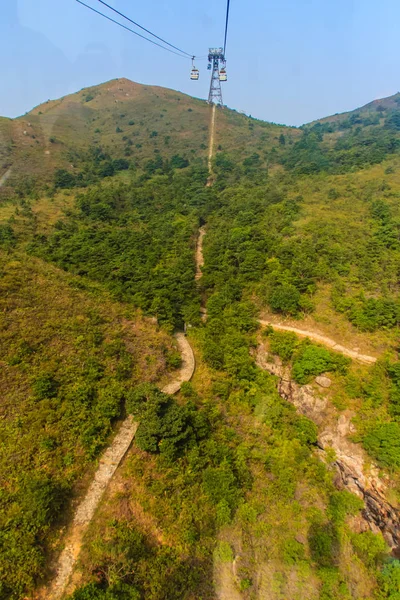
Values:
[(194, 74), (222, 75)]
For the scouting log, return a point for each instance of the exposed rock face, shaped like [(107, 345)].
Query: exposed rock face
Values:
[(353, 473)]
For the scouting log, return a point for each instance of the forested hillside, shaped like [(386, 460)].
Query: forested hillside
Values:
[(231, 489)]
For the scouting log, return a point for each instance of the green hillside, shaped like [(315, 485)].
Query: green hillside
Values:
[(125, 120), (226, 492)]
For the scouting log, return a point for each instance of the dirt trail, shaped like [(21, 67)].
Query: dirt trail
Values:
[(4, 178), (107, 466), (211, 146), (199, 253), (321, 339), (364, 358)]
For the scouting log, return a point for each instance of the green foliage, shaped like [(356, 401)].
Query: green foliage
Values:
[(324, 544), (64, 179), (7, 237), (94, 591), (220, 485), (165, 426), (285, 299), (390, 580), (341, 504), (306, 430), (44, 386), (369, 546), (293, 552), (383, 443), (136, 239), (224, 552), (312, 360), (178, 162), (283, 344)]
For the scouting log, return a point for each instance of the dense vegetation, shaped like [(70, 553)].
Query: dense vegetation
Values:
[(69, 355), (138, 240), (224, 476)]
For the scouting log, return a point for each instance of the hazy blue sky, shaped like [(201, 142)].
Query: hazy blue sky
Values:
[(289, 61)]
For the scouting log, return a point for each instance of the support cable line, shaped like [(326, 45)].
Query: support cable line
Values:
[(144, 29), (226, 24), (131, 30)]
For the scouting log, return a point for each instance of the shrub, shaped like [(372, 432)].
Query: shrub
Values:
[(64, 179), (313, 360), (120, 164), (292, 552), (383, 443), (224, 552), (166, 428), (369, 546), (220, 485), (44, 386), (323, 544), (7, 237), (283, 343), (389, 580), (178, 162), (285, 299)]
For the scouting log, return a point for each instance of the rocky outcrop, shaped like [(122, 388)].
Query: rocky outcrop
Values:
[(355, 473)]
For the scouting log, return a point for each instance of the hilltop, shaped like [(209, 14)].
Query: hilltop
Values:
[(130, 121), (378, 105)]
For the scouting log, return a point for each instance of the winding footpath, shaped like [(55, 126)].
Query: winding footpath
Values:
[(321, 339), (354, 468), (113, 456), (108, 464), (316, 337)]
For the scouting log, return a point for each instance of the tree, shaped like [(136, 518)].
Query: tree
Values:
[(286, 299), (165, 428), (64, 179)]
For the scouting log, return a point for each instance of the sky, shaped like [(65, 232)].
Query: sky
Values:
[(288, 61)]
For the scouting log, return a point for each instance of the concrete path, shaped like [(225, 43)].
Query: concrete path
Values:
[(321, 339), (108, 464)]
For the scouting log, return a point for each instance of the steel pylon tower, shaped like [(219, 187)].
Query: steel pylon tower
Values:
[(215, 56)]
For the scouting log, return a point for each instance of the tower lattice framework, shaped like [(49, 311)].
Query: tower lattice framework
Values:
[(215, 56)]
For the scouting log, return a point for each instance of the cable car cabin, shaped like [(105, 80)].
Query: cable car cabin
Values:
[(222, 75), (194, 74), (209, 66)]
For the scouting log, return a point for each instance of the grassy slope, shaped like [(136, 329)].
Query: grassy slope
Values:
[(143, 502), (55, 326), (57, 131)]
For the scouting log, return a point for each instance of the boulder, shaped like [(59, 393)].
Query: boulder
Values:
[(323, 381)]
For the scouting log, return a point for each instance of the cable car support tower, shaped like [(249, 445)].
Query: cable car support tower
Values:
[(215, 57)]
